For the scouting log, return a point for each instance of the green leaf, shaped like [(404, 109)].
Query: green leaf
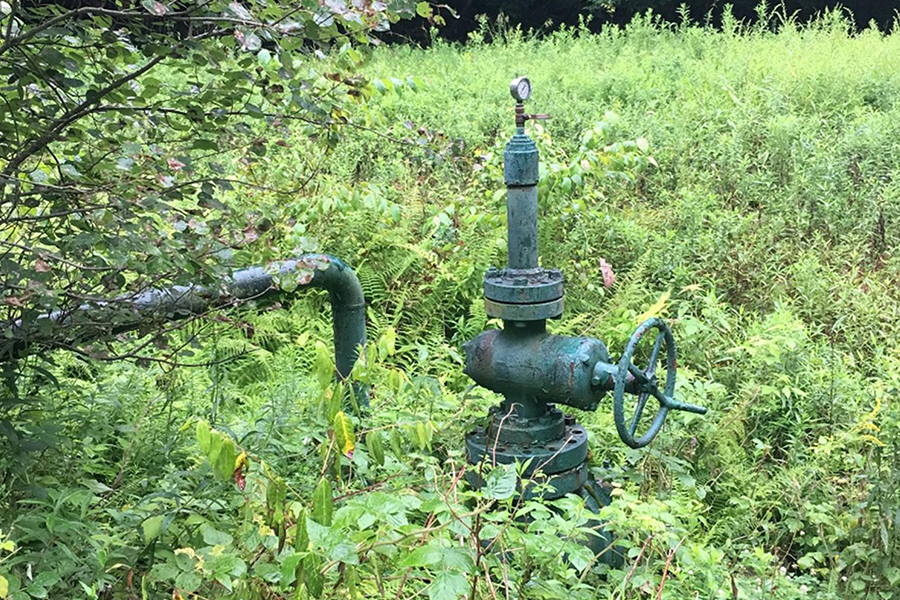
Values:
[(214, 537), (4, 587), (423, 556), (155, 8), (440, 558), (152, 528), (323, 503), (312, 576), (448, 585), (188, 581), (343, 434), (203, 436), (421, 435), (301, 535), (292, 568), (69, 170), (457, 558), (46, 579), (580, 556), (375, 445), (201, 144), (324, 366), (423, 9), (224, 465), (215, 449), (396, 444), (500, 483)]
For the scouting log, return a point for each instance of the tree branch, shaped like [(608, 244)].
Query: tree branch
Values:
[(84, 10), (82, 110), (44, 253), (12, 18)]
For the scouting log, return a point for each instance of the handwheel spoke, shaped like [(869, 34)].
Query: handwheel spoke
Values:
[(659, 395), (638, 374), (642, 402), (654, 355)]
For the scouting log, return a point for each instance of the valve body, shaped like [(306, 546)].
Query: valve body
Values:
[(535, 370), (536, 367)]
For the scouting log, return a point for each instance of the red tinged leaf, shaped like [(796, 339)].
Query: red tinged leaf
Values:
[(239, 478), (609, 277), (156, 8)]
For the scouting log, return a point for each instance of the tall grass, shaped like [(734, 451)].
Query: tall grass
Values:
[(772, 219)]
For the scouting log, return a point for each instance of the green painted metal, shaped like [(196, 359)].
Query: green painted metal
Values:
[(545, 424), (596, 495), (523, 312), (533, 364), (535, 370), (255, 286), (520, 170), (523, 286), (645, 384), (551, 456)]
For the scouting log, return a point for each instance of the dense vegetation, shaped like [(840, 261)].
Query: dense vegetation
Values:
[(545, 16), (740, 182)]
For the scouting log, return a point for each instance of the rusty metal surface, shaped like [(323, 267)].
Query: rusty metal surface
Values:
[(523, 286), (534, 369), (553, 456)]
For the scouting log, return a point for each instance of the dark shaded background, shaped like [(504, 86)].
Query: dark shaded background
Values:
[(534, 14)]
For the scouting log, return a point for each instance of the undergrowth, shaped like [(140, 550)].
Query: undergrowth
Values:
[(741, 183)]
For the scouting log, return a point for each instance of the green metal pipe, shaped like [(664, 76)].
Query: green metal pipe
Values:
[(532, 367), (520, 172), (96, 320)]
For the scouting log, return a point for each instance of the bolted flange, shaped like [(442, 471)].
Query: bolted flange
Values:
[(554, 456), (523, 286), (524, 312), (565, 482)]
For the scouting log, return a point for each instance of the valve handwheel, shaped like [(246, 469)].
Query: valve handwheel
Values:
[(645, 384)]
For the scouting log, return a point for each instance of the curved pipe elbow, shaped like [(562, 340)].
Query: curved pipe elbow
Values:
[(100, 319), (324, 271)]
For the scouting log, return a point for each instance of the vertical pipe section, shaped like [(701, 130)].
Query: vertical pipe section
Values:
[(97, 320), (521, 218), (348, 306), (520, 171)]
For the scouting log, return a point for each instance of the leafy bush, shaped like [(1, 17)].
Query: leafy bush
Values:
[(743, 190)]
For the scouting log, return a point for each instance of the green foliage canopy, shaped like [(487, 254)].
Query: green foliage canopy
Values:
[(121, 127)]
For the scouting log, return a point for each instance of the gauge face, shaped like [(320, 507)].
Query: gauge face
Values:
[(520, 89)]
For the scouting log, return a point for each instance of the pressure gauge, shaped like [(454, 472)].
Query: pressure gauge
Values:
[(520, 88)]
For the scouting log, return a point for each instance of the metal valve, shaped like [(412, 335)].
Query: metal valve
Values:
[(626, 377), (520, 89), (535, 370)]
